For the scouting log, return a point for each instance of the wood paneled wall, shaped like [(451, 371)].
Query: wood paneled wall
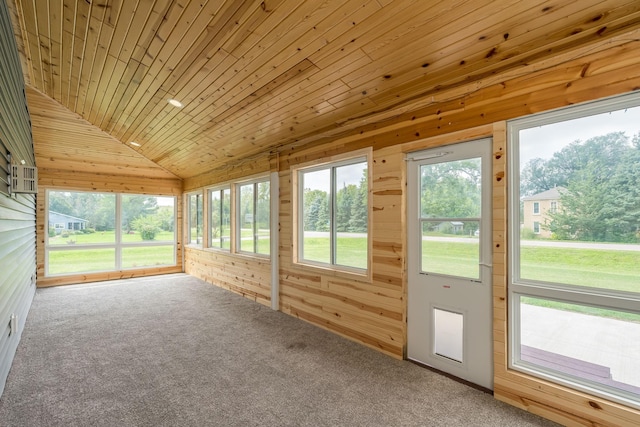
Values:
[(374, 313), (18, 212), (74, 155), (249, 276)]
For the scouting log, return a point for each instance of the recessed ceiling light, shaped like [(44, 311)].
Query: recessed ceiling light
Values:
[(135, 144), (175, 103)]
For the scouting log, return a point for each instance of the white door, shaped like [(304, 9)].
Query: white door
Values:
[(449, 260)]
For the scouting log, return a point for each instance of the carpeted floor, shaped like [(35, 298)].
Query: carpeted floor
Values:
[(175, 351)]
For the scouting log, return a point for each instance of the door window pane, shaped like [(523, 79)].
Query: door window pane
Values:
[(451, 247), (451, 189)]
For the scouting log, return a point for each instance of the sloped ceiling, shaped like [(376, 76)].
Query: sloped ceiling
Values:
[(258, 76), (65, 141)]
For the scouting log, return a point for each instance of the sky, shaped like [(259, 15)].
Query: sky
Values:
[(346, 175), (543, 141)]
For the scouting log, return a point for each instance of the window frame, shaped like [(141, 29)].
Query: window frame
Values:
[(560, 292), (331, 163), (236, 190), (209, 212), (118, 245), (536, 208), (188, 241)]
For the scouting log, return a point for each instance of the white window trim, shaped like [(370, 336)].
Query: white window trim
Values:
[(209, 211), (187, 234), (235, 189), (536, 204), (118, 244), (298, 236), (519, 287)]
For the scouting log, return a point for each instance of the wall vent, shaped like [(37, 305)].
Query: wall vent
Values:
[(23, 179)]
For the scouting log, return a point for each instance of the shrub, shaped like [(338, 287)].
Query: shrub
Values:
[(52, 232), (147, 226)]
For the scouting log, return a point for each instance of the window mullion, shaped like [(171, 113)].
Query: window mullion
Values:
[(332, 216), (118, 226)]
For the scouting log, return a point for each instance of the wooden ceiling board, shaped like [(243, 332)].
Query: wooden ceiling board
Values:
[(257, 76), (64, 141)]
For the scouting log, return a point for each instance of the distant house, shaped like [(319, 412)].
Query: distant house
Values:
[(61, 222), (537, 207), (451, 227)]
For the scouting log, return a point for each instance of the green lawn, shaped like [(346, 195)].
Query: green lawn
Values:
[(350, 251), (103, 259), (453, 258), (81, 261), (607, 269), (88, 260)]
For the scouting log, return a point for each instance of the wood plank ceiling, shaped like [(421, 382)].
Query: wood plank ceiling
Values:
[(260, 76)]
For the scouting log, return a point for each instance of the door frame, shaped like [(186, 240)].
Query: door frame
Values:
[(477, 147)]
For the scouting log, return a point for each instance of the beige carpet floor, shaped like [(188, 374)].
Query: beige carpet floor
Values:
[(175, 351)]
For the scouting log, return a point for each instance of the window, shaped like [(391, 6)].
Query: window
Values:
[(220, 218), (536, 208), (333, 214), (536, 227), (253, 217), (575, 298), (92, 232), (195, 217)]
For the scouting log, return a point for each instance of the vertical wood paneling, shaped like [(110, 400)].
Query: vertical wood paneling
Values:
[(17, 213)]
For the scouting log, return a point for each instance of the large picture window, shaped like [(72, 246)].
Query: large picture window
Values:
[(333, 214), (95, 232), (575, 239), (253, 217)]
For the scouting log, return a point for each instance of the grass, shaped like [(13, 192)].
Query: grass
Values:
[(453, 258), (90, 260), (606, 269), (350, 251), (103, 259)]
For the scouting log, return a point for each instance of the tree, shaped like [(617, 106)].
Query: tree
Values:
[(147, 226), (451, 189), (316, 210), (136, 206), (602, 200), (345, 199), (358, 222)]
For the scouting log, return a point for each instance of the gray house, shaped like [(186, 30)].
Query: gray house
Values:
[(61, 222)]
